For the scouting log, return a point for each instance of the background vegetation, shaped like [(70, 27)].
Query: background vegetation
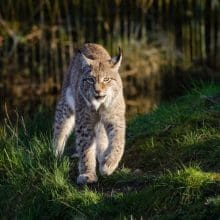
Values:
[(165, 42)]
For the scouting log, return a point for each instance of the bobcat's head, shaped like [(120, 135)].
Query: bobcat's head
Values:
[(100, 81)]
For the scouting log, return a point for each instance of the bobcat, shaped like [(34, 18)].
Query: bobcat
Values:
[(92, 100)]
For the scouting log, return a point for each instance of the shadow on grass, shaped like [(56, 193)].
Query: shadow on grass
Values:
[(155, 160), (206, 154)]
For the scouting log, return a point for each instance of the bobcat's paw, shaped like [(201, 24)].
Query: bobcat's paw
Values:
[(58, 153), (87, 178), (107, 167)]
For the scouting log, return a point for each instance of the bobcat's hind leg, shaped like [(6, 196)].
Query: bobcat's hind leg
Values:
[(113, 154), (64, 123)]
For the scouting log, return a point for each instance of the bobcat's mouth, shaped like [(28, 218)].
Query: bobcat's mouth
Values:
[(100, 97)]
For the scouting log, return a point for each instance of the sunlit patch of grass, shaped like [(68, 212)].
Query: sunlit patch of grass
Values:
[(184, 192), (170, 169)]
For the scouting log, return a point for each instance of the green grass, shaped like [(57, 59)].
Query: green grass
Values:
[(170, 169)]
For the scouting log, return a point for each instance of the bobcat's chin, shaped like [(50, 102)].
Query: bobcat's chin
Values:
[(96, 103)]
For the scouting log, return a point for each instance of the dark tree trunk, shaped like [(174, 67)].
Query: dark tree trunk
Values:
[(216, 26), (208, 31)]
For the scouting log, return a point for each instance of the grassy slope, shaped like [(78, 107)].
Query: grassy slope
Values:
[(170, 168)]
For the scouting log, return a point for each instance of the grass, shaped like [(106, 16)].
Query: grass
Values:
[(170, 169)]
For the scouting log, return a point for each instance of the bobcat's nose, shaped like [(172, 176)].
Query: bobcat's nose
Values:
[(99, 94), (97, 91)]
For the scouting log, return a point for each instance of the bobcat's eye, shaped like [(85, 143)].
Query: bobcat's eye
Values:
[(90, 80), (107, 80)]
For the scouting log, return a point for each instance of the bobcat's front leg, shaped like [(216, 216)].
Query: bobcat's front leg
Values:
[(64, 123), (86, 147), (115, 150)]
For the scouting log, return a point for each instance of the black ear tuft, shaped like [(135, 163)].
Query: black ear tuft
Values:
[(120, 52), (116, 61), (118, 57)]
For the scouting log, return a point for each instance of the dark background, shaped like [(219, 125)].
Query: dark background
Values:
[(168, 46)]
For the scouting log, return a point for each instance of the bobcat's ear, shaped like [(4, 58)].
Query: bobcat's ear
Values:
[(85, 61), (116, 61)]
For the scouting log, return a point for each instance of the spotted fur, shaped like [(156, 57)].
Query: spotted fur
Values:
[(92, 100)]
